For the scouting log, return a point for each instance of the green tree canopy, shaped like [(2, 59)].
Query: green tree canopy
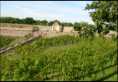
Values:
[(104, 14), (44, 22), (67, 24), (85, 29), (50, 23), (29, 20)]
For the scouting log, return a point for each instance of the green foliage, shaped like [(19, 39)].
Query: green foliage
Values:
[(55, 41), (67, 24), (85, 29), (44, 22), (103, 12), (5, 40), (53, 59), (38, 22), (8, 20), (29, 20), (77, 26), (50, 23)]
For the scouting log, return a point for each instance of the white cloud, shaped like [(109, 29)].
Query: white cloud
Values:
[(48, 10)]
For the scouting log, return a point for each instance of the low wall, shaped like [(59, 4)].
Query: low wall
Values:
[(68, 29)]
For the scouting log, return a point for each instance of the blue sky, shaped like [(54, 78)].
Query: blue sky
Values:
[(65, 11)]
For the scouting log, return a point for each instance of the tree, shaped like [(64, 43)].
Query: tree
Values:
[(37, 22), (44, 22), (20, 21), (29, 20), (77, 26), (50, 23), (85, 29), (103, 12), (7, 19), (67, 24)]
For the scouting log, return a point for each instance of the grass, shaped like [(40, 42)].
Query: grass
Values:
[(5, 41), (61, 58)]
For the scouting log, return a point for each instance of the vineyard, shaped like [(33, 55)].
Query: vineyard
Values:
[(61, 58)]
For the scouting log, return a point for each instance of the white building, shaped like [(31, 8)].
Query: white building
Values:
[(58, 27)]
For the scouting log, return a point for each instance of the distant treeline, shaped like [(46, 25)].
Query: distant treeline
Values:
[(29, 20)]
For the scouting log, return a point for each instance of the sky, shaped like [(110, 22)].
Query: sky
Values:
[(65, 11)]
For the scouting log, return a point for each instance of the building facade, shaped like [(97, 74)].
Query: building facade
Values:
[(58, 27)]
